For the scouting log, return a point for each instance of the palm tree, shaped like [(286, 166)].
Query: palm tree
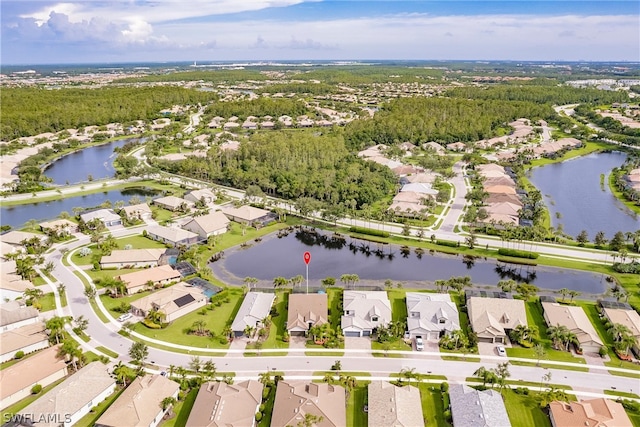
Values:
[(209, 369), (199, 326), (279, 282), (507, 285), (573, 294), (564, 292), (70, 348), (349, 383), (486, 375), (618, 331), (557, 335), (122, 373), (626, 343), (167, 404), (55, 326)]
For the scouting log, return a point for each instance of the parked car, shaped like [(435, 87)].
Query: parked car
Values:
[(124, 317), (501, 351), (419, 344)]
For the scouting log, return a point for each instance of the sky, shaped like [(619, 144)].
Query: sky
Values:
[(93, 31)]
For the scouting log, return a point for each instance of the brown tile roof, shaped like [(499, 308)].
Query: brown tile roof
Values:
[(306, 308), (154, 274), (594, 412), (29, 371), (219, 404), (294, 399), (15, 339)]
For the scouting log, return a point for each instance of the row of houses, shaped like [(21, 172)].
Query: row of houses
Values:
[(268, 122), (503, 204)]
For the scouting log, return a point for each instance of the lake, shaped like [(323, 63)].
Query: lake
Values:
[(572, 189), (282, 256)]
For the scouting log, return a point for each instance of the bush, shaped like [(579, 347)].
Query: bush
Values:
[(522, 390), (265, 393), (149, 324), (447, 243), (632, 267), (447, 416), (261, 408), (258, 416), (36, 389), (369, 231), (19, 355), (444, 387), (224, 340), (518, 254)]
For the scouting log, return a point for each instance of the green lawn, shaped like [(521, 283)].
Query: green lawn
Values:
[(97, 411), (432, 405), (6, 413), (108, 352), (335, 307), (268, 408), (182, 409), (398, 305), (524, 411), (274, 340), (356, 417), (47, 302), (136, 242), (396, 344), (111, 303), (216, 320)]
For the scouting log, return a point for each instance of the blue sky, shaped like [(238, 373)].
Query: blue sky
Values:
[(43, 31)]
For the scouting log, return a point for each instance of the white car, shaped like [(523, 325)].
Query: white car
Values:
[(124, 317), (501, 351), (419, 344)]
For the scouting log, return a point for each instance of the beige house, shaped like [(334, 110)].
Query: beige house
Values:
[(627, 317), (158, 276), (15, 237), (212, 224), (245, 214), (26, 339), (172, 235), (364, 311), (174, 301), (132, 258), (141, 403), (204, 195), (15, 314), (593, 412), (306, 311), (17, 380), (173, 203), (60, 227), (502, 189), (219, 404), (493, 318), (141, 211), (576, 320), (12, 286), (295, 399), (391, 406), (73, 398)]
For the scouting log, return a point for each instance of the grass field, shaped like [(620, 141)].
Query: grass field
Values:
[(432, 405), (182, 409), (136, 242), (356, 417), (524, 411)]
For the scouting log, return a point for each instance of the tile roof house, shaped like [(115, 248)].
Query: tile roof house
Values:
[(61, 227), (420, 187), (592, 412), (431, 315), (576, 320), (174, 301), (134, 258), (306, 311), (12, 286), (15, 314), (255, 307), (43, 368), (295, 399), (107, 216), (173, 236), (391, 406), (140, 211), (141, 403), (16, 237), (364, 311), (212, 224), (470, 407), (173, 203), (219, 404), (492, 318), (27, 339), (73, 398), (627, 317), (203, 195), (138, 280), (246, 214)]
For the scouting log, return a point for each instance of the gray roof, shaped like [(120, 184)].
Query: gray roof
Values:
[(101, 214), (254, 308), (14, 312), (473, 408), (365, 306), (426, 311)]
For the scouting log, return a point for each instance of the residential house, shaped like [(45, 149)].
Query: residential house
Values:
[(204, 195), (255, 307), (16, 314), (493, 318), (132, 258), (212, 224), (627, 317), (173, 203), (141, 211), (501, 189), (470, 407), (26, 339), (364, 311), (7, 249), (173, 236), (15, 237), (392, 406), (155, 276), (306, 311), (141, 403), (107, 216), (420, 187), (598, 412), (219, 404), (435, 147), (72, 399), (59, 227), (12, 286), (295, 399), (43, 368), (248, 215), (430, 316), (457, 146), (576, 320), (174, 301)]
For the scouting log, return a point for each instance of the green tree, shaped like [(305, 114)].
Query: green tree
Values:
[(582, 238), (600, 240), (139, 353), (486, 375), (617, 242)]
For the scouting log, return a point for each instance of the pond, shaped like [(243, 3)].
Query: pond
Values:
[(576, 199), (17, 215), (96, 161), (282, 256)]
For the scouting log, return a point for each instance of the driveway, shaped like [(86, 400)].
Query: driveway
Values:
[(239, 343), (297, 342), (357, 343)]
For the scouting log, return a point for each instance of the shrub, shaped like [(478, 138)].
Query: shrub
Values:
[(223, 340), (632, 267), (149, 324), (447, 243), (19, 355), (444, 387), (261, 408), (36, 389), (265, 393), (518, 254), (258, 416), (447, 416), (369, 231), (522, 390)]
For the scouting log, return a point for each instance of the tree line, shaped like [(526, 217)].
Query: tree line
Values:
[(539, 94), (258, 107)]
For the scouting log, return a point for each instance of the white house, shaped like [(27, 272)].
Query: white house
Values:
[(430, 316), (364, 311)]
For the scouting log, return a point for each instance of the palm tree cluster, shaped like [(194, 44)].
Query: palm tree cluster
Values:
[(392, 331), (623, 338), (562, 337), (524, 335), (456, 283), (497, 375)]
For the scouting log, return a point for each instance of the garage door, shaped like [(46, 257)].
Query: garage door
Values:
[(352, 334), (366, 333)]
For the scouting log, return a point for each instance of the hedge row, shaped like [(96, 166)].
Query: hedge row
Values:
[(632, 267), (369, 231), (518, 254), (447, 243)]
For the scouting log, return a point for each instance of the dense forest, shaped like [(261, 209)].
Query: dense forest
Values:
[(442, 120), (31, 111), (292, 166), (299, 88), (556, 95), (258, 107), (213, 76)]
